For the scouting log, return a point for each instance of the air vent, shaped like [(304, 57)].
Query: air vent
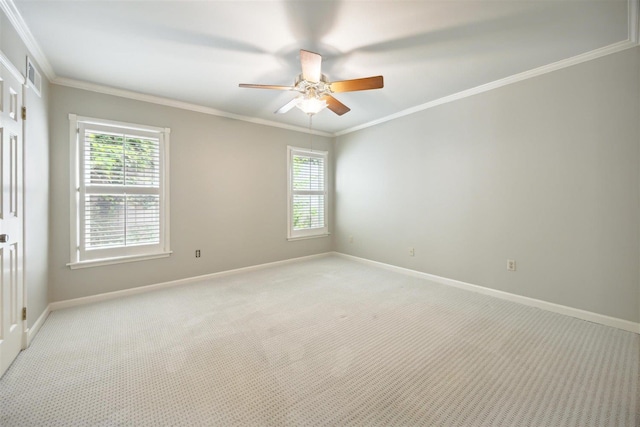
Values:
[(34, 79)]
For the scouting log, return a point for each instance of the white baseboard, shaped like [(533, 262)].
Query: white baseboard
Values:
[(32, 331), (58, 305), (545, 305), (532, 302)]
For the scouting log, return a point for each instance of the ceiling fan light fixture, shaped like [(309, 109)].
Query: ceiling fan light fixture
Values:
[(316, 91), (311, 105)]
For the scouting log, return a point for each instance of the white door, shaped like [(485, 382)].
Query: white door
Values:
[(11, 215)]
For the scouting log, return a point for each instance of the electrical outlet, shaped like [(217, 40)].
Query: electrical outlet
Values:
[(412, 252), (350, 239), (511, 264), (197, 253)]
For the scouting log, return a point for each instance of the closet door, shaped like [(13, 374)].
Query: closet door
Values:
[(11, 219)]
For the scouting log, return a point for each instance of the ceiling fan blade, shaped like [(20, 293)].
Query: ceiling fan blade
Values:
[(311, 66), (288, 106), (366, 83), (336, 106), (278, 87)]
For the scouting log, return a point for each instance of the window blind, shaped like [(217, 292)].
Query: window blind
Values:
[(121, 180), (308, 192), (113, 220)]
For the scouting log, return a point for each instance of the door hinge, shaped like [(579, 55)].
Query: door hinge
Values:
[(24, 113), (24, 313)]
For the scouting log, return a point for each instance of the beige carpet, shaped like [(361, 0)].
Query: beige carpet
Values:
[(322, 342)]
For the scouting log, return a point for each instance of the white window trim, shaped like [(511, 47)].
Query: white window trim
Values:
[(74, 199), (315, 232)]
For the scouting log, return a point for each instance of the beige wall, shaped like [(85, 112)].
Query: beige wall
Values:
[(545, 171), (36, 177), (228, 194)]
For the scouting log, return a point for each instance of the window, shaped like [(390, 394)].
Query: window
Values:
[(120, 192), (307, 193)]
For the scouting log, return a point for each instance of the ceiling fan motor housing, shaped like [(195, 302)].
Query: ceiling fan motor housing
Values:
[(313, 89)]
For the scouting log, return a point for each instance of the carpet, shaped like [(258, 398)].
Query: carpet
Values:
[(321, 342)]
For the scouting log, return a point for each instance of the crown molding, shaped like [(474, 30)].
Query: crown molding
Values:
[(633, 40), (152, 99), (12, 13), (578, 59)]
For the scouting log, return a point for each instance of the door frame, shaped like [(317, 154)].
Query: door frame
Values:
[(25, 322)]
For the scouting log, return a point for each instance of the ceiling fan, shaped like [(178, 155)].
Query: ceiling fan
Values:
[(315, 90)]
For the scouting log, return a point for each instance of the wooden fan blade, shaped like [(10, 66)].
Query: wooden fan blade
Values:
[(278, 87), (357, 84), (311, 66), (336, 106), (286, 107)]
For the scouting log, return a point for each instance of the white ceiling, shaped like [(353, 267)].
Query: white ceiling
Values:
[(198, 51)]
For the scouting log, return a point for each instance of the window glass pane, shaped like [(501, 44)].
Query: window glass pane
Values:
[(308, 173), (308, 211), (104, 221), (117, 220), (142, 161), (103, 158), (143, 219)]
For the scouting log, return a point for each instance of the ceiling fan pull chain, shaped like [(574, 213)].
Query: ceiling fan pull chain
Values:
[(311, 147), (310, 132)]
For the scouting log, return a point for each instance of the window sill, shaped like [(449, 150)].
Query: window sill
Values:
[(118, 260), (313, 236)]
